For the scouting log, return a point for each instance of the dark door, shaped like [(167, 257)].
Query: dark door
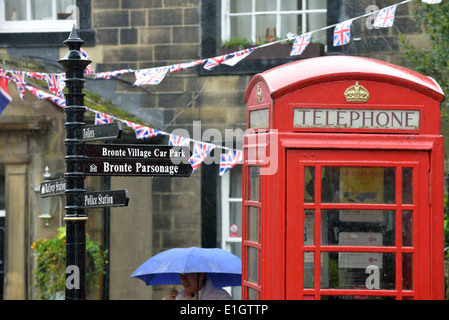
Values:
[(357, 225)]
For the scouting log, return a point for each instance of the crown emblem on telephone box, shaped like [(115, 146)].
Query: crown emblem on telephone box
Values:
[(356, 93)]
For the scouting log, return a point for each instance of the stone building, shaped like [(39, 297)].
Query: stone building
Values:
[(207, 104)]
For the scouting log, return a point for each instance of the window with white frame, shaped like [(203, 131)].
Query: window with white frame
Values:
[(264, 20), (38, 15), (231, 216)]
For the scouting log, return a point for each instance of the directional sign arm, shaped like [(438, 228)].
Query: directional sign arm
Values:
[(101, 199), (137, 151), (105, 167), (100, 132), (52, 188)]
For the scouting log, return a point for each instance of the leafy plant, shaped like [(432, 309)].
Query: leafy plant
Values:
[(241, 42), (50, 264), (433, 62)]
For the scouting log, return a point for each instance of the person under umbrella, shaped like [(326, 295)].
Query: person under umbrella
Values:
[(202, 272), (197, 287)]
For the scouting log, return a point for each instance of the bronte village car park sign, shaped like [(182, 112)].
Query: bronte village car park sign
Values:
[(122, 160), (136, 160)]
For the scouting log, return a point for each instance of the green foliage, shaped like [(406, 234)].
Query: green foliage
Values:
[(97, 103), (434, 61), (240, 42), (50, 264)]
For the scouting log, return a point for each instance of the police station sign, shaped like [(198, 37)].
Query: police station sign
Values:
[(356, 118)]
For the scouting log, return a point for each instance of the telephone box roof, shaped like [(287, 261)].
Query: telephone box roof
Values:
[(296, 75)]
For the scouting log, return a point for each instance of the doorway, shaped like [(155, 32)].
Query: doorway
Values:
[(357, 224)]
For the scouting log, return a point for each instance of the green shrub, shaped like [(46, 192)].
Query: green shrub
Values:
[(50, 265)]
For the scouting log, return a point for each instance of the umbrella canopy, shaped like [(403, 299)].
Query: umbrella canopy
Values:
[(221, 266)]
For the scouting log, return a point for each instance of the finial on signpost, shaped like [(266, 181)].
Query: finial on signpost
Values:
[(74, 60)]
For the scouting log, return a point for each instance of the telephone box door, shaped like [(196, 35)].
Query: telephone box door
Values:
[(352, 225)]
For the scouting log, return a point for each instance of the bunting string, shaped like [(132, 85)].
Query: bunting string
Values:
[(154, 76)]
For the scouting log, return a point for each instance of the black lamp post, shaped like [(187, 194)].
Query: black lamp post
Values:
[(74, 65)]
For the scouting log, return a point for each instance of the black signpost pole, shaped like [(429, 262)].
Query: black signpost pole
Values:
[(75, 64), (103, 160)]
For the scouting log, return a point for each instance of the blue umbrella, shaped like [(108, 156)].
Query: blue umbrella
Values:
[(221, 266)]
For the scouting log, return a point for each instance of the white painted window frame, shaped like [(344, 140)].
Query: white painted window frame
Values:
[(226, 18), (226, 201), (53, 25), (226, 239)]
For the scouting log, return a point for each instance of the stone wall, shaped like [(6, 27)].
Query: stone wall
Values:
[(153, 33), (382, 43)]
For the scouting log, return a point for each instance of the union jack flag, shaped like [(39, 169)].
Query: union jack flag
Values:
[(130, 124), (216, 61), (42, 95), (300, 44), (342, 33), (200, 152), (180, 66), (150, 76), (56, 83), (143, 132), (238, 56), (186, 65), (5, 97), (178, 140), (431, 1), (37, 75), (198, 62), (58, 101), (20, 80), (229, 160), (103, 118), (112, 74), (385, 18), (89, 69)]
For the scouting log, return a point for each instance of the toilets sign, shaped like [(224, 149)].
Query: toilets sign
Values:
[(99, 132)]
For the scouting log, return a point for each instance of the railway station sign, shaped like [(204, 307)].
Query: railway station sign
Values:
[(52, 188)]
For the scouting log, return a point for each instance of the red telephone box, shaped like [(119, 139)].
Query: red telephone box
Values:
[(343, 182)]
